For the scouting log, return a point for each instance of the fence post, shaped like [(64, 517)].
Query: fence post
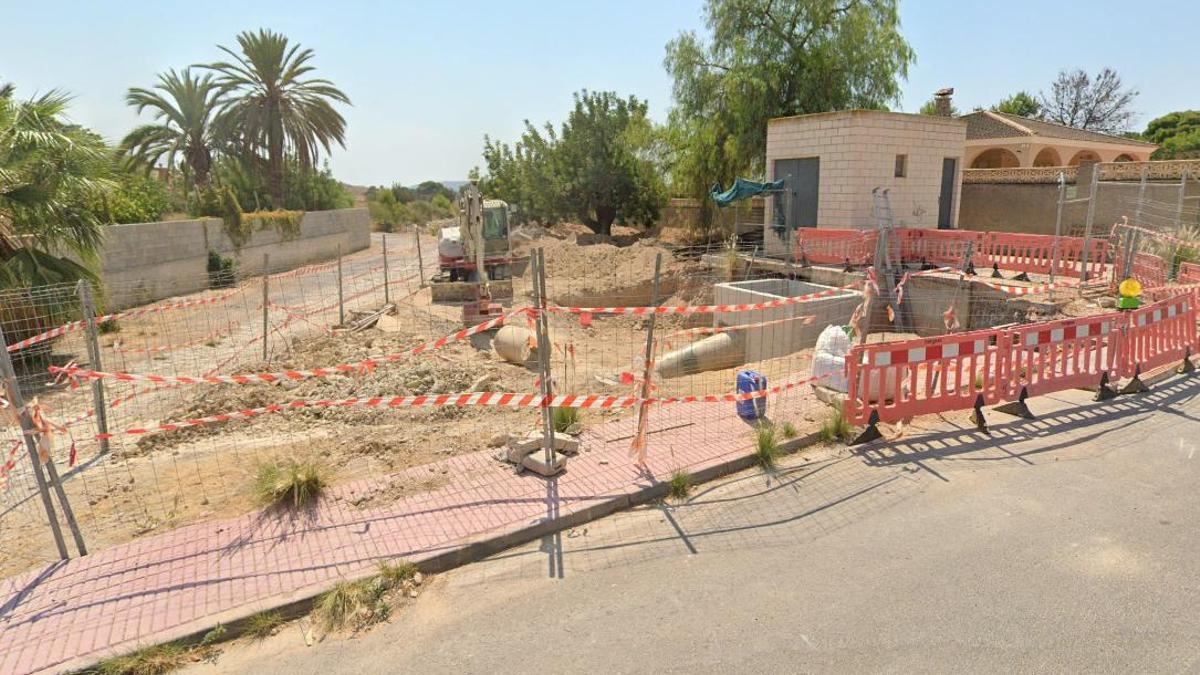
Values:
[(266, 279), (386, 291), (639, 439), (84, 290), (341, 297), (1087, 230), (543, 348), (18, 403), (420, 262), (1062, 194)]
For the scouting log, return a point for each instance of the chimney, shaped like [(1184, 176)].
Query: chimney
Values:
[(941, 102)]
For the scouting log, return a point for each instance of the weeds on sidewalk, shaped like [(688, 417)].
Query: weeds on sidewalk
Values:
[(355, 605), (263, 625), (565, 418), (766, 446), (154, 660), (680, 485), (290, 483), (789, 431), (836, 428)]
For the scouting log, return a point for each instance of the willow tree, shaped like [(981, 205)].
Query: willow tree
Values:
[(274, 106), (773, 58)]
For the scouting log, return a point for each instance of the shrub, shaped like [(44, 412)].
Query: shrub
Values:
[(137, 199), (222, 271), (766, 447), (289, 483)]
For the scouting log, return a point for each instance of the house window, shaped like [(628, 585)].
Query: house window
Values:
[(901, 166)]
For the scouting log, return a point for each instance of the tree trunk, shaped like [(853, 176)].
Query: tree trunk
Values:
[(275, 167), (605, 215)]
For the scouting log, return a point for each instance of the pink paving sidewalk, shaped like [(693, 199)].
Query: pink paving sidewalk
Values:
[(157, 589)]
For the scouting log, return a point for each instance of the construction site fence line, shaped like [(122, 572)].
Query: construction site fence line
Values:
[(484, 398)]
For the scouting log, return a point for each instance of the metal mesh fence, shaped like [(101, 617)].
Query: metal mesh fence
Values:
[(355, 365)]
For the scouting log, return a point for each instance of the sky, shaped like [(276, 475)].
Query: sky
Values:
[(428, 80)]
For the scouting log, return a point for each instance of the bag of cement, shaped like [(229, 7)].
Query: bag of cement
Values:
[(829, 358)]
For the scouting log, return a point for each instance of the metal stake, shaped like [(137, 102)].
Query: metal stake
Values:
[(420, 262), (386, 291), (1087, 230), (341, 297), (14, 399), (543, 343), (1062, 195), (84, 290), (265, 309)]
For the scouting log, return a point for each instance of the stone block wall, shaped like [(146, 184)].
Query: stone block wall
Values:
[(144, 262), (857, 151)]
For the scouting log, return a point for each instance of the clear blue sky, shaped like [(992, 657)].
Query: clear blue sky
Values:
[(428, 79)]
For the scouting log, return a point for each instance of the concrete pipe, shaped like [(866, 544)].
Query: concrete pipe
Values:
[(716, 352), (513, 343)]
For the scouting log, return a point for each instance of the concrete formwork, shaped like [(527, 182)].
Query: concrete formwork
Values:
[(784, 337)]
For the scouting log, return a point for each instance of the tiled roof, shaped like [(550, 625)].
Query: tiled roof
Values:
[(988, 124)]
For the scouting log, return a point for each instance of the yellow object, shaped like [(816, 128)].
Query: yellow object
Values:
[(1130, 288)]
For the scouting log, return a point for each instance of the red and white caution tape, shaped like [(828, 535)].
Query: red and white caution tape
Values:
[(9, 462), (72, 326), (363, 366), (481, 398)]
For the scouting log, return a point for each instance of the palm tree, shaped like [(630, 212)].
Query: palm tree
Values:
[(52, 174), (273, 106), (184, 106)]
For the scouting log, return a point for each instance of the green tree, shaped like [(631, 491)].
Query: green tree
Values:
[(1177, 134), (772, 58), (930, 108), (51, 173), (273, 106), (594, 168), (1022, 104), (183, 105)]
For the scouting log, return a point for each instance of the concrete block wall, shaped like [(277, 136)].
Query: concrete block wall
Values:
[(1032, 207), (857, 151), (144, 262), (781, 339)]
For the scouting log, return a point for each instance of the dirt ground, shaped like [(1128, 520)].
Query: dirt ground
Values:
[(164, 480)]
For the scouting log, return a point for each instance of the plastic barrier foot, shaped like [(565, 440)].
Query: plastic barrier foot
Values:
[(1017, 408), (977, 417), (1187, 366), (925, 266), (1104, 391), (848, 267), (996, 271), (969, 270), (1021, 277), (1135, 386), (871, 433)]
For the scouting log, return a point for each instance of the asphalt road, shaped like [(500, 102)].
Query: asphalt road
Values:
[(1065, 544)]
